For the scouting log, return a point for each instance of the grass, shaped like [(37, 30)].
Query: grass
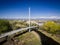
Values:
[(28, 39), (54, 37)]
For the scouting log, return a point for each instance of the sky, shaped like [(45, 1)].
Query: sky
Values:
[(38, 9)]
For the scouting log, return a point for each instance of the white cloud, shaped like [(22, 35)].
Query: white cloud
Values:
[(41, 17), (47, 17)]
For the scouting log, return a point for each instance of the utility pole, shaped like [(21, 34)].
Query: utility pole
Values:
[(29, 19)]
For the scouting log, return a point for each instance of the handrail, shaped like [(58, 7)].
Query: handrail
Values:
[(14, 31)]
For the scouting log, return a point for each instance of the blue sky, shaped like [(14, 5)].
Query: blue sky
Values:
[(39, 8)]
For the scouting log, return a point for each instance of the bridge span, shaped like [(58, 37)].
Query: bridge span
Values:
[(15, 31)]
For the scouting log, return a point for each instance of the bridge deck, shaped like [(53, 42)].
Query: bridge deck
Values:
[(15, 31)]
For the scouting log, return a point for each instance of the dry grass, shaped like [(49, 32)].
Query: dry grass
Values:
[(29, 39), (54, 37)]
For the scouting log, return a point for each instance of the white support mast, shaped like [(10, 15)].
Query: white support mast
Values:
[(29, 19)]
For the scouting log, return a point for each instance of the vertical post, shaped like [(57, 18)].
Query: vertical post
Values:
[(29, 19)]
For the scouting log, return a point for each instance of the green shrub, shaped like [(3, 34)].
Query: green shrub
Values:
[(51, 27), (4, 26)]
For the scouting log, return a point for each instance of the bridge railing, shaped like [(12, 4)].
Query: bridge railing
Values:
[(15, 31)]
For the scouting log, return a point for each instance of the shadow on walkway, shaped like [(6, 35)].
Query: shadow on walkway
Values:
[(5, 41), (46, 40)]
